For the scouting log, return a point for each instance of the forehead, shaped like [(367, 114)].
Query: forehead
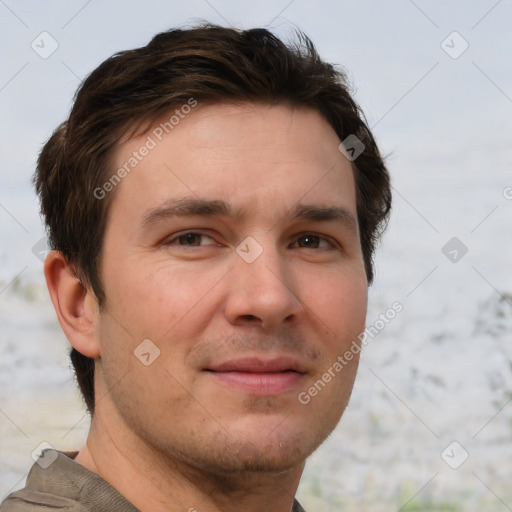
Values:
[(249, 154)]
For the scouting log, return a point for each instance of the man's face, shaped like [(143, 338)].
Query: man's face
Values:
[(233, 246)]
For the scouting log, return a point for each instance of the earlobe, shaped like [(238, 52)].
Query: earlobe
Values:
[(76, 306)]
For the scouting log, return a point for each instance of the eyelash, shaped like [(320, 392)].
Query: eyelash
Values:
[(197, 233)]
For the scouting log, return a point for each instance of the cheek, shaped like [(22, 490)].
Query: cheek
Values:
[(339, 300), (156, 298)]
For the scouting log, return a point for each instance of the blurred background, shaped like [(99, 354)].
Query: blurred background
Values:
[(429, 425)]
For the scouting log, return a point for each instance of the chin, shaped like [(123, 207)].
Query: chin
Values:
[(227, 456), (265, 450), (250, 458)]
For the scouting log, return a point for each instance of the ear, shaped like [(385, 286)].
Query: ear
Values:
[(76, 307)]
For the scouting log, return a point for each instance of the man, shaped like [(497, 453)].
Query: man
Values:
[(213, 203)]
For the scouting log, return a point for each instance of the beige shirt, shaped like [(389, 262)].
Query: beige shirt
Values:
[(57, 482)]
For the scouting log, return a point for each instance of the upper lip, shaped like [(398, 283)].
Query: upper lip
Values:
[(259, 365)]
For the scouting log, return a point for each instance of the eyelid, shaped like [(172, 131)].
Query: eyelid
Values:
[(174, 237), (331, 241)]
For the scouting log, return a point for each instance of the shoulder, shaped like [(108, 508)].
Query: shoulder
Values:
[(57, 482), (29, 501), (297, 507)]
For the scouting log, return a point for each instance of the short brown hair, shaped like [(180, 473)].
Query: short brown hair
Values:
[(135, 88)]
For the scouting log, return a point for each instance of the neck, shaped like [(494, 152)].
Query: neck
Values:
[(157, 483)]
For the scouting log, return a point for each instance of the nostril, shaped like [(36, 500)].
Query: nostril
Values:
[(250, 317)]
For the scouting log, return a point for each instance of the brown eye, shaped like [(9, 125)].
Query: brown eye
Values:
[(190, 239), (311, 241)]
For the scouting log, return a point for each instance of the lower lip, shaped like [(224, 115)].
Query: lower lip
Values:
[(260, 383)]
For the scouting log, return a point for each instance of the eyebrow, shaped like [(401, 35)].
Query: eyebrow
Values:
[(325, 213), (188, 207), (193, 206)]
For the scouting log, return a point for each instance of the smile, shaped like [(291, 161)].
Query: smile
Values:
[(257, 376)]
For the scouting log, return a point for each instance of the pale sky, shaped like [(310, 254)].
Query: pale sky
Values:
[(440, 117)]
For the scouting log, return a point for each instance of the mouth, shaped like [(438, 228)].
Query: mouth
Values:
[(259, 376)]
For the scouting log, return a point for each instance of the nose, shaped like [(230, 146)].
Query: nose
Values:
[(262, 293)]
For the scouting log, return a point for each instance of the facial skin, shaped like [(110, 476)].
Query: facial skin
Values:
[(176, 433)]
